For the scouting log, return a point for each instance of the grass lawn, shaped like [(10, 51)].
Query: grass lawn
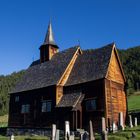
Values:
[(126, 134), (134, 102), (26, 138)]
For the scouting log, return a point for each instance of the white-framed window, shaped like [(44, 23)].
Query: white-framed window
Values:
[(16, 98), (91, 105), (46, 106), (25, 108)]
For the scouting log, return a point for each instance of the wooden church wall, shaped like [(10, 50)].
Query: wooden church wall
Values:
[(92, 90), (114, 91), (35, 117)]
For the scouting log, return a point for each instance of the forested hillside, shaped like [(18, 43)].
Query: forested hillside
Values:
[(6, 84), (130, 60), (131, 63)]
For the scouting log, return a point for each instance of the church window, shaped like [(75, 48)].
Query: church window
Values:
[(91, 105), (46, 106), (16, 98), (25, 108)]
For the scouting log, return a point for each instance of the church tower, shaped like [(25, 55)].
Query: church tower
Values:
[(49, 48)]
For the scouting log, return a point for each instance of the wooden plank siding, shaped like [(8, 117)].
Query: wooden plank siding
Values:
[(65, 76), (114, 90), (35, 117), (91, 90), (114, 70)]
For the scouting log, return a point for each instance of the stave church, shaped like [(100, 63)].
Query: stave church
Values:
[(72, 85)]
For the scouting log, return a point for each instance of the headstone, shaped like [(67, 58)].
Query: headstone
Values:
[(12, 137), (85, 136), (136, 121), (91, 135), (57, 134), (53, 132), (67, 130), (114, 127), (103, 124), (104, 135), (71, 137), (130, 121), (121, 125), (104, 132)]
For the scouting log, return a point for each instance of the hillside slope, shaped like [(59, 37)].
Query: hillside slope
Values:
[(131, 63), (6, 84)]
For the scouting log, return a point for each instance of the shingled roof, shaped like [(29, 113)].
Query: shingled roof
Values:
[(70, 100), (45, 74), (91, 65)]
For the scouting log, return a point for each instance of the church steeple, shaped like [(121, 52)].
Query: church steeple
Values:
[(49, 47), (49, 38)]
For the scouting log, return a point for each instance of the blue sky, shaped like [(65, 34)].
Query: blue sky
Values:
[(23, 25)]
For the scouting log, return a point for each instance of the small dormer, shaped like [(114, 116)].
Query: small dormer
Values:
[(49, 48)]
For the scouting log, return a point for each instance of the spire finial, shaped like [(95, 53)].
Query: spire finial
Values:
[(49, 38)]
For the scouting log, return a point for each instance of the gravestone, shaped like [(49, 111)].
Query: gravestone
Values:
[(130, 121), (104, 132), (104, 135), (85, 136), (103, 124), (136, 121), (12, 137), (53, 132), (57, 134), (91, 135), (114, 127), (121, 125), (67, 130), (71, 137)]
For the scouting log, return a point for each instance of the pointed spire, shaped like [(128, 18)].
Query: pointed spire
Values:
[(49, 39)]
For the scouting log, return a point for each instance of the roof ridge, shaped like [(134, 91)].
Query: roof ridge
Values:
[(94, 49)]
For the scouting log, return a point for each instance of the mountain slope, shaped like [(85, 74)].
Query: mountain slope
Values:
[(131, 63)]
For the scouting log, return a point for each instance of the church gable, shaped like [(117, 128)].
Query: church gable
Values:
[(115, 72), (65, 76)]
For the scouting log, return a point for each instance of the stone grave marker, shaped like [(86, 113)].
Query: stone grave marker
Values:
[(12, 137), (53, 131), (85, 136), (91, 134), (67, 130), (104, 132), (136, 121), (57, 134), (121, 125), (130, 121)]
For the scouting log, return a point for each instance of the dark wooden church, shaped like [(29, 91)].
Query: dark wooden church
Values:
[(74, 85)]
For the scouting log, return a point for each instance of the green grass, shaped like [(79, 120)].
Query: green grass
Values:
[(134, 102), (26, 138)]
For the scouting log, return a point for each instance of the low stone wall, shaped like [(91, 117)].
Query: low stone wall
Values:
[(3, 131), (29, 131)]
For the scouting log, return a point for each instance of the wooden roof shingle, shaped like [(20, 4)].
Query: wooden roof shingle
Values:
[(91, 65), (45, 74), (70, 100)]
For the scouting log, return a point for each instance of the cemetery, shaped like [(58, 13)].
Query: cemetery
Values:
[(120, 133)]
